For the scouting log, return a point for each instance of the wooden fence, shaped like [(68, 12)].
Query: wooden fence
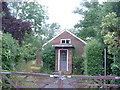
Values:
[(14, 80)]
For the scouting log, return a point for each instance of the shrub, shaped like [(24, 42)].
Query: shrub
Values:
[(48, 56), (10, 50), (14, 54), (78, 66), (93, 53)]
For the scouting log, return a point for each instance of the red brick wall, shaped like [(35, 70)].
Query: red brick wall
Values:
[(78, 48), (74, 41), (56, 59), (69, 59)]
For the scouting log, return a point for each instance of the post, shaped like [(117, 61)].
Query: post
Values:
[(105, 64)]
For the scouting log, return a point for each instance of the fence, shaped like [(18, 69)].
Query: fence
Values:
[(18, 80)]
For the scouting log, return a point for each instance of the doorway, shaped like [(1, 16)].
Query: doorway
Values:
[(63, 60)]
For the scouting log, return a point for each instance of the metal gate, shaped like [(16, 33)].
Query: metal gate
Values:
[(57, 80)]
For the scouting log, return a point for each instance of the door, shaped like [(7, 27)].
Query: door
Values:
[(63, 60)]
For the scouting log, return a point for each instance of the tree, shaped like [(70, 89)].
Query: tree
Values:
[(101, 22), (14, 26), (109, 7), (89, 27), (30, 11), (13, 54), (50, 30), (111, 33)]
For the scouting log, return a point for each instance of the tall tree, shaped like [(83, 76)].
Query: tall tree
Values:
[(50, 30), (32, 12), (111, 34), (14, 26), (101, 22), (89, 27)]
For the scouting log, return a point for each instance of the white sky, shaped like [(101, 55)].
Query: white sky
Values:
[(61, 12)]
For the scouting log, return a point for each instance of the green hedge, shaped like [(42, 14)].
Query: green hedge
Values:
[(94, 60)]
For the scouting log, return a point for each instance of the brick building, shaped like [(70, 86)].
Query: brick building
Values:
[(66, 45)]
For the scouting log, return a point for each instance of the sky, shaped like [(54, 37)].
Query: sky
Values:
[(61, 12)]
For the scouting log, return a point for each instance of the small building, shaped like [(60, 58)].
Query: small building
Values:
[(66, 45)]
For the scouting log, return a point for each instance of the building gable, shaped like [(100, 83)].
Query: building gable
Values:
[(64, 35)]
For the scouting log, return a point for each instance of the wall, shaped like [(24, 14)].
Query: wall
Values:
[(74, 41)]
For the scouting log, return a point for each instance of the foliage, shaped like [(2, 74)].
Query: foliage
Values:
[(50, 30), (14, 26), (111, 33), (93, 53), (30, 11), (10, 50), (46, 70), (109, 7), (78, 64), (48, 56), (14, 54), (101, 22), (28, 52), (89, 27), (110, 23), (0, 50), (34, 40)]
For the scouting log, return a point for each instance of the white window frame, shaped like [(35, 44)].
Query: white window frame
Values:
[(65, 41)]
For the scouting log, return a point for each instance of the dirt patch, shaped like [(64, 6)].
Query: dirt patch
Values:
[(35, 68)]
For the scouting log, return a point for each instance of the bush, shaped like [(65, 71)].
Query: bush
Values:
[(78, 66), (14, 54), (48, 56), (93, 53), (10, 49)]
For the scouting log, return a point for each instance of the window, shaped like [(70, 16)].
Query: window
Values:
[(68, 41), (65, 41)]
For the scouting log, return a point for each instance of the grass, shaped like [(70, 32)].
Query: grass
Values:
[(30, 66), (46, 70)]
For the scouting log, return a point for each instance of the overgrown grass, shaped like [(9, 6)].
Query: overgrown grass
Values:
[(46, 70), (23, 83), (30, 66)]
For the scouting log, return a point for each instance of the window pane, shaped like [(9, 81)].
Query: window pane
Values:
[(63, 41), (67, 41)]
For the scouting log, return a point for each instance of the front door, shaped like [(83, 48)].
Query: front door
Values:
[(63, 60)]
